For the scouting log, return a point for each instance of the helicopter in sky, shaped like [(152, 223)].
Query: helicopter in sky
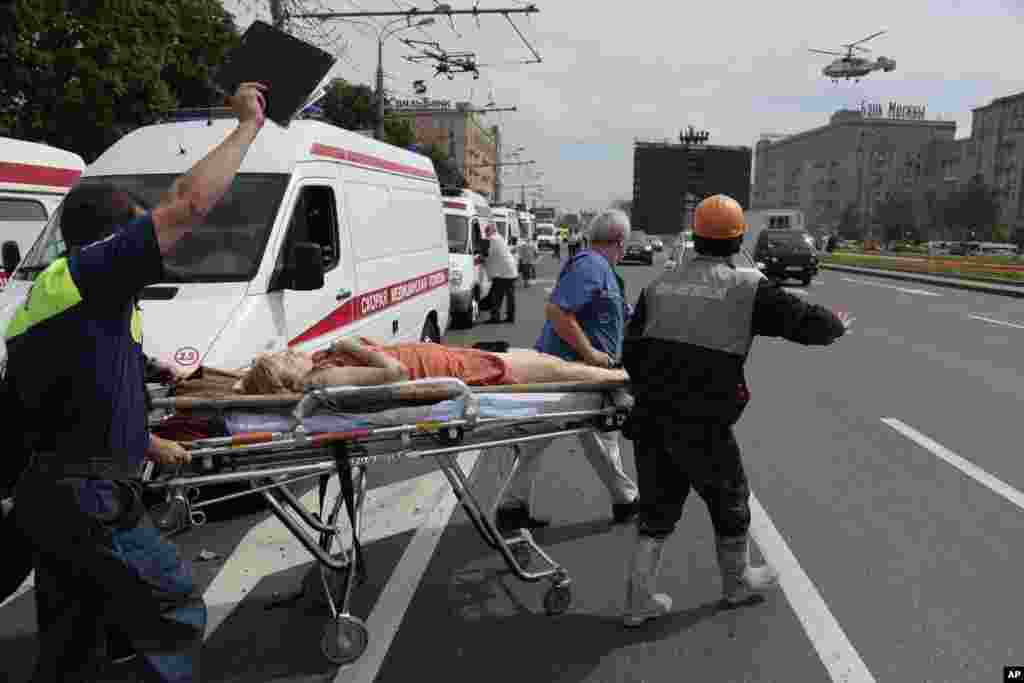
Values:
[(848, 66)]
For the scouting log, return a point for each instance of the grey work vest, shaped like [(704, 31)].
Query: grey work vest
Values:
[(705, 302)]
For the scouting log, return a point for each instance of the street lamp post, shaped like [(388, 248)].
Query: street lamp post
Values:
[(383, 35)]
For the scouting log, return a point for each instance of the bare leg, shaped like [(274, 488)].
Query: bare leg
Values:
[(531, 367)]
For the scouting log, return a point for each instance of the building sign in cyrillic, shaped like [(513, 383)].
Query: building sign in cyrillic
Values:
[(896, 111)]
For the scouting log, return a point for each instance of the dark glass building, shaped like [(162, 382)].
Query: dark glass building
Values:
[(670, 179)]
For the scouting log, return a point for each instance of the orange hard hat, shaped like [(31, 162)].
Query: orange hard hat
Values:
[(719, 217)]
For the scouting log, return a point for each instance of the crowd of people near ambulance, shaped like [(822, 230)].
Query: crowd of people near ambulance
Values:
[(105, 574)]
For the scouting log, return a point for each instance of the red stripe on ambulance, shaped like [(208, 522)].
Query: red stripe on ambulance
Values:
[(454, 205), (368, 160), (31, 174), (376, 301)]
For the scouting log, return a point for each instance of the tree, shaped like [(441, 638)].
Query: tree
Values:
[(351, 106), (896, 214), (448, 174), (624, 205), (972, 211), (85, 73), (849, 223)]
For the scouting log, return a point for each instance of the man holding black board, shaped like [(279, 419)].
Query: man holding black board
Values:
[(104, 565)]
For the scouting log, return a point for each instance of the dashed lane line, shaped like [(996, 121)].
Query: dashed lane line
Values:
[(387, 614), (966, 466), (841, 660)]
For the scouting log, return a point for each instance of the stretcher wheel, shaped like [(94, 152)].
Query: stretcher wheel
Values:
[(557, 599), (344, 639)]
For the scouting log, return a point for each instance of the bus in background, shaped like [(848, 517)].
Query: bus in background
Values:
[(33, 180)]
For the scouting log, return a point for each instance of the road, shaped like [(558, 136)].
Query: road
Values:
[(886, 478)]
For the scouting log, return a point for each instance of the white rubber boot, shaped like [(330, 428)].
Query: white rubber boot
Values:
[(642, 603), (740, 581)]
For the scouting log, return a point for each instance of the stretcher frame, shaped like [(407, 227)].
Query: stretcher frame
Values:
[(272, 461)]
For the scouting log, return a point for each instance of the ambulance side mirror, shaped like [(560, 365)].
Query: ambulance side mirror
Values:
[(305, 272), (11, 256)]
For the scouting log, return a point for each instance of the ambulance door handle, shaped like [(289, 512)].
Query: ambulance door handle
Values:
[(343, 294)]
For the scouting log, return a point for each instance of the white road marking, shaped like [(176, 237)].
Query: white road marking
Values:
[(967, 467), (826, 635), (394, 599), (922, 292), (996, 322), (269, 548)]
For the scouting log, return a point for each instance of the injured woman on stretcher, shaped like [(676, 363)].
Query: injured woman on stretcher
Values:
[(362, 362)]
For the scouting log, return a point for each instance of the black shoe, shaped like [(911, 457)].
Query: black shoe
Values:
[(625, 512), (511, 519)]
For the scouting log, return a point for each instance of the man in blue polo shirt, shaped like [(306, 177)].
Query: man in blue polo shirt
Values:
[(76, 369), (586, 319)]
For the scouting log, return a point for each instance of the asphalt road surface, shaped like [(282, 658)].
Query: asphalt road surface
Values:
[(886, 475)]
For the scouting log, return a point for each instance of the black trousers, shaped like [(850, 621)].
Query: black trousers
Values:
[(704, 456), (18, 551), (93, 574), (503, 289)]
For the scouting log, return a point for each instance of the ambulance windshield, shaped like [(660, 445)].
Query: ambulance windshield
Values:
[(226, 247)]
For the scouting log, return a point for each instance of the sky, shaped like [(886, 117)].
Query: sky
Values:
[(616, 72)]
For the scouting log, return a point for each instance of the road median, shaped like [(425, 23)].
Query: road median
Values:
[(1003, 286)]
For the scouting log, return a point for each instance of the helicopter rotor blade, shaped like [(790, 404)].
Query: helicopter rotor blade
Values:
[(826, 52), (873, 35)]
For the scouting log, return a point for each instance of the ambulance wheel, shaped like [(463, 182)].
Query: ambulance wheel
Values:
[(557, 599), (430, 332), (344, 640)]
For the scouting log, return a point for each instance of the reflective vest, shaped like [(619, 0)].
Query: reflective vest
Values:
[(53, 292), (705, 302)]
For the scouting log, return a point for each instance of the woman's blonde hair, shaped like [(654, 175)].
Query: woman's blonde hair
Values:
[(272, 373)]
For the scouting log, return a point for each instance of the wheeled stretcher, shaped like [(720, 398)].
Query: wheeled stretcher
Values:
[(273, 442)]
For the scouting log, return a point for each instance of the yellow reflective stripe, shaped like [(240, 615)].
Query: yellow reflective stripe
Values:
[(136, 326), (53, 292)]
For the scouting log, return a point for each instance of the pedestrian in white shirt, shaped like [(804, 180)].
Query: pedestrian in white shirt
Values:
[(504, 271), (529, 252)]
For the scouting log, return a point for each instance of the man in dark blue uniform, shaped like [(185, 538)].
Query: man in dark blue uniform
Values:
[(76, 368), (685, 349)]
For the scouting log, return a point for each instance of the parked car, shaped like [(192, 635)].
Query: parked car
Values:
[(639, 249), (786, 254)]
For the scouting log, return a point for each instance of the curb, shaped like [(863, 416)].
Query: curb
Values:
[(977, 286)]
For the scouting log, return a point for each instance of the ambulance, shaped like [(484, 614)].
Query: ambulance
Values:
[(33, 180), (324, 233), (526, 225), (466, 216), (506, 220)]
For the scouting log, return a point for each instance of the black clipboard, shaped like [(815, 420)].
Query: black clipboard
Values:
[(291, 68)]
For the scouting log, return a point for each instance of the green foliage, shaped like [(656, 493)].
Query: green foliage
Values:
[(85, 73), (353, 107), (896, 214), (849, 223), (972, 211), (447, 172)]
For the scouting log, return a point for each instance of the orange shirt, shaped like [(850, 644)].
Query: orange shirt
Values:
[(424, 360)]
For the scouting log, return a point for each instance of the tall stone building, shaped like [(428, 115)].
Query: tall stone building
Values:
[(859, 159), (856, 160), (457, 129), (670, 179), (995, 152)]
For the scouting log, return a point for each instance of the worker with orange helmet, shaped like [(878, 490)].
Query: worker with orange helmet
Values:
[(685, 349)]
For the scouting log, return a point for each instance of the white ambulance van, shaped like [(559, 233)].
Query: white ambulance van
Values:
[(466, 216), (506, 220), (324, 234), (33, 180)]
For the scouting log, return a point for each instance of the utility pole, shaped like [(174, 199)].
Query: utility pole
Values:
[(277, 13)]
